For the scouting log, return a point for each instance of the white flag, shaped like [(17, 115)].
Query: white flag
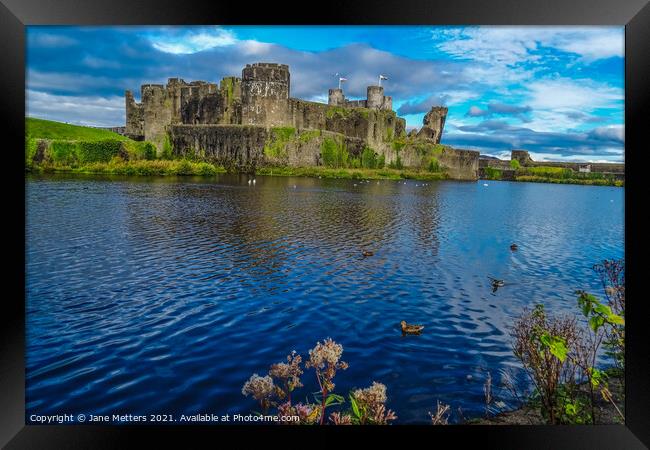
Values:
[(343, 79), (382, 77)]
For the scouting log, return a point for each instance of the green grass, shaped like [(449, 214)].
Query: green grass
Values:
[(76, 146), (585, 181), (47, 129), (118, 166), (350, 173)]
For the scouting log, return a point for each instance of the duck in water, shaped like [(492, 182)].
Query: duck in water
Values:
[(514, 247), (411, 329), (496, 283), (367, 253)]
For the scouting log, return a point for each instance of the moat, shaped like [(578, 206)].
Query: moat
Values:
[(163, 295)]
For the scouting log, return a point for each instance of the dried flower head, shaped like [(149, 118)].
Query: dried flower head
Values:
[(259, 387), (371, 401), (289, 372), (371, 396), (324, 358), (338, 419), (329, 352)]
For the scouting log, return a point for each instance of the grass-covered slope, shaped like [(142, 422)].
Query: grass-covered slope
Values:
[(59, 146), (47, 129)]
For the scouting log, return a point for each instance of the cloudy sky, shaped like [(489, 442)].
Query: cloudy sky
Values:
[(555, 91)]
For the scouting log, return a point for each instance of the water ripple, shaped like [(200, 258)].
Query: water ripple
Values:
[(165, 295)]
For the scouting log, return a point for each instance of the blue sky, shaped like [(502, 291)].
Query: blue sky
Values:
[(555, 91)]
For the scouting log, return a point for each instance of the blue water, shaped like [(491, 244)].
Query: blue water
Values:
[(164, 295)]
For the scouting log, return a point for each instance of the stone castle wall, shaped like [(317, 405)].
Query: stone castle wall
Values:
[(231, 123)]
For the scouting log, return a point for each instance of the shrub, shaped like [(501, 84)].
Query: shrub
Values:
[(434, 165), (333, 153), (515, 164), (368, 158), (542, 343), (98, 151), (492, 173), (31, 146), (276, 145), (397, 164), (64, 152), (167, 151)]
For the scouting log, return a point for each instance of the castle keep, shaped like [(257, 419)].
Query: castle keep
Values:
[(249, 121)]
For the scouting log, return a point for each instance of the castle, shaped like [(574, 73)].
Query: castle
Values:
[(233, 122)]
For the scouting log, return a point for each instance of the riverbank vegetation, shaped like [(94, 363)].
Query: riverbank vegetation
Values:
[(558, 354), (58, 147), (273, 392), (351, 173), (550, 174)]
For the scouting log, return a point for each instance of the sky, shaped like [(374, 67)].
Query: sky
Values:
[(557, 92)]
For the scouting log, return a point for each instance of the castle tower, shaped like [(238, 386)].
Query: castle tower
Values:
[(375, 97), (157, 112), (265, 94), (336, 97), (134, 117)]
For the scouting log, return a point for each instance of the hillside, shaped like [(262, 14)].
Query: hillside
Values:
[(47, 129)]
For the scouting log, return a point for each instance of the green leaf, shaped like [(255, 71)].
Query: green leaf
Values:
[(555, 345), (615, 319), (355, 407), (334, 399), (596, 322), (570, 409)]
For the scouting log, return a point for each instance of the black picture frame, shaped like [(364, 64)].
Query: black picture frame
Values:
[(634, 14)]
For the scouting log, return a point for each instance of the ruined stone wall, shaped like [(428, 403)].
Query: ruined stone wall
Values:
[(265, 94), (356, 104), (237, 147), (134, 117), (307, 115), (460, 164), (335, 97), (230, 88), (433, 124)]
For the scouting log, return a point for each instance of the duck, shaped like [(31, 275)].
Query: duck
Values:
[(411, 329), (514, 247), (367, 253), (496, 283)]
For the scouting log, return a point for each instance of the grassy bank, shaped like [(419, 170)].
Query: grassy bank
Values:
[(47, 129), (547, 174), (118, 166), (350, 173)]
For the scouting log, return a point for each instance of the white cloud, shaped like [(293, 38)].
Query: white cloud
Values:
[(192, 40), (564, 93), (506, 45), (80, 110)]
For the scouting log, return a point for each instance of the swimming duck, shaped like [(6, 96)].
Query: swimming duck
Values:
[(411, 329), (496, 284), (367, 253), (514, 247)]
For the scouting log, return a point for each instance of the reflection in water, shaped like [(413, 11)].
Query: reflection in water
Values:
[(165, 294)]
